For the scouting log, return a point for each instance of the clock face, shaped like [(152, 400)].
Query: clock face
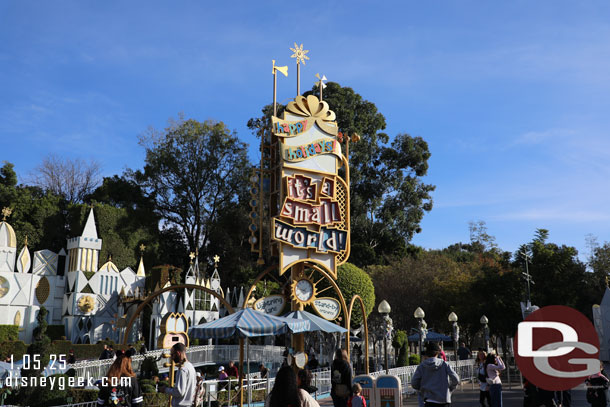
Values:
[(4, 286), (303, 290)]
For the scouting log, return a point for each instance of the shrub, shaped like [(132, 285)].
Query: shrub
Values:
[(413, 359), (353, 280), (83, 395), (55, 331), (9, 333), (45, 396), (15, 348), (148, 388), (149, 368), (155, 399)]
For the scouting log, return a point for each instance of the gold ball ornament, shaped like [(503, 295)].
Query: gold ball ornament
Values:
[(86, 303)]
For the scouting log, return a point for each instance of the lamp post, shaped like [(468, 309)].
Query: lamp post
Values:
[(419, 314), (384, 309), (453, 318), (484, 322)]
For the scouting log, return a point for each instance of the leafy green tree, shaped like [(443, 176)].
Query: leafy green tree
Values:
[(559, 275), (388, 197), (8, 176), (600, 267), (401, 344), (353, 280), (36, 214), (192, 170)]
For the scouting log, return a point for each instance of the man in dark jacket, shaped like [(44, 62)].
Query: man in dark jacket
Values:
[(435, 379)]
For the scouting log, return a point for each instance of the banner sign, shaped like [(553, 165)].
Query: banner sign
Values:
[(285, 128), (324, 241), (326, 213), (272, 304), (303, 152), (328, 308), (313, 220)]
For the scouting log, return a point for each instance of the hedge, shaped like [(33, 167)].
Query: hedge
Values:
[(58, 347), (15, 348), (9, 333)]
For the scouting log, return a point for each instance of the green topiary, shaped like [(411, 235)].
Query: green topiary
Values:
[(353, 280), (413, 359), (148, 388)]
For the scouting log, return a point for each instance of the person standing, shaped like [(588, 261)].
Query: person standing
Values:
[(493, 366), (341, 379), (232, 370), (463, 352), (127, 392), (484, 397), (434, 378), (286, 392), (183, 392), (71, 357)]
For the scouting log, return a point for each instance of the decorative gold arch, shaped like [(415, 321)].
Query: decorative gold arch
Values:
[(166, 289), (314, 266), (366, 330)]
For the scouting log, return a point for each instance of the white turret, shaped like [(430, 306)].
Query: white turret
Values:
[(83, 251), (8, 244)]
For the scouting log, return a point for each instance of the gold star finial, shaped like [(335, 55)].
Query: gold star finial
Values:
[(299, 53), (216, 260), (192, 256), (6, 212), (142, 248)]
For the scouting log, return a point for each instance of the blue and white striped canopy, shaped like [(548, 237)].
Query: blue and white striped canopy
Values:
[(248, 323), (317, 323)]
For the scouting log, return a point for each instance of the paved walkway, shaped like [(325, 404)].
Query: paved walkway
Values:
[(466, 396)]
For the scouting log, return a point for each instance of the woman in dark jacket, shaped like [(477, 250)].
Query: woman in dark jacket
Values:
[(120, 387), (341, 379)]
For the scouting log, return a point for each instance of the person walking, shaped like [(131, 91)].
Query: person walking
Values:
[(493, 366), (597, 384), (120, 387), (434, 378), (285, 392), (484, 397), (341, 379), (183, 392)]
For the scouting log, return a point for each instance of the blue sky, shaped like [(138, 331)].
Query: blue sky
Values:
[(512, 97)]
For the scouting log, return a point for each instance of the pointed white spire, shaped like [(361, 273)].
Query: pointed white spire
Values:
[(90, 230)]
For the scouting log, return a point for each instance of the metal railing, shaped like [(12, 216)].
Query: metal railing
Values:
[(197, 355), (256, 389)]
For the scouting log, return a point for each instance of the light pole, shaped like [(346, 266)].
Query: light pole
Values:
[(419, 314), (384, 309), (484, 322), (453, 318)]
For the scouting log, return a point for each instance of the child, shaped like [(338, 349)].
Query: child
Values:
[(357, 400)]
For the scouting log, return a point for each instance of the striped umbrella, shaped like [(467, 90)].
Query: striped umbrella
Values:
[(248, 323), (317, 323)]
